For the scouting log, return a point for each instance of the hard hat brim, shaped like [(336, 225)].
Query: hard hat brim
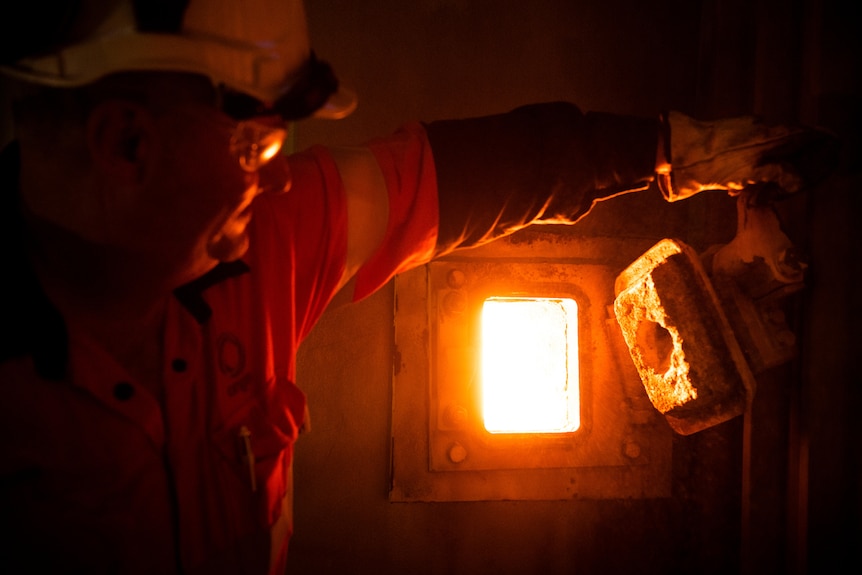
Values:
[(242, 69), (340, 104)]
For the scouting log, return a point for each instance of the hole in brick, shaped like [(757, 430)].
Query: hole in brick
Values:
[(656, 345)]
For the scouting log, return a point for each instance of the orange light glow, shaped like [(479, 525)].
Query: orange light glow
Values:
[(270, 150), (530, 365)]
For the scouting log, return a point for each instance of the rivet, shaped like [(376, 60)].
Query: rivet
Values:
[(456, 279), (631, 450), (457, 453)]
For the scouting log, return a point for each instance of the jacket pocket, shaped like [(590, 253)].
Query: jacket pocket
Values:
[(256, 444)]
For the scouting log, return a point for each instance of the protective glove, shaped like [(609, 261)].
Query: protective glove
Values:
[(733, 154)]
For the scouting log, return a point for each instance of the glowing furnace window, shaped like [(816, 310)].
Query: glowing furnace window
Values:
[(530, 365)]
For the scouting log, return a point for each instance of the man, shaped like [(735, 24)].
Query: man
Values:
[(166, 261)]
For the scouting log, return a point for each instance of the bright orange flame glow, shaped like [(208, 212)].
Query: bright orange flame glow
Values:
[(270, 151), (530, 365)]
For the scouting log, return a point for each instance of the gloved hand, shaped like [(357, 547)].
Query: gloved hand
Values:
[(735, 153)]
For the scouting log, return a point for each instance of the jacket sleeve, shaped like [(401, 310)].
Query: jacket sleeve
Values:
[(544, 163)]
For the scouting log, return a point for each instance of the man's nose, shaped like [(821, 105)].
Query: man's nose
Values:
[(275, 176)]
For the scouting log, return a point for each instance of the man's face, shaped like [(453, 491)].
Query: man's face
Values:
[(157, 182), (195, 210)]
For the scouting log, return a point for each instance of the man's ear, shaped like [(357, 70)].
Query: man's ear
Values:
[(120, 135)]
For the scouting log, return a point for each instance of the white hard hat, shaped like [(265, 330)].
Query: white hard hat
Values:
[(256, 48)]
